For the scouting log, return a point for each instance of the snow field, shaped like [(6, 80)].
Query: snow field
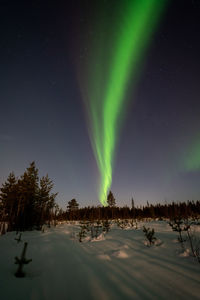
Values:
[(117, 265)]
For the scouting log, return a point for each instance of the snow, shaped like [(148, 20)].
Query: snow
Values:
[(117, 265), (100, 237), (186, 253), (120, 254)]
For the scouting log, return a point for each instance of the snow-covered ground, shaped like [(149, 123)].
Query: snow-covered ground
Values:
[(117, 266)]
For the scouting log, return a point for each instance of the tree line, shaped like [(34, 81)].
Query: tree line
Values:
[(28, 202), (180, 210)]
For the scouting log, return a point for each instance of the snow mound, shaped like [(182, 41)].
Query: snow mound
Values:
[(87, 239), (157, 242), (120, 254), (101, 237), (186, 253), (104, 257)]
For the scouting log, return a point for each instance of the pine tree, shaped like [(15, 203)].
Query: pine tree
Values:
[(133, 208), (45, 201), (27, 202), (72, 209), (132, 204), (111, 200), (28, 196), (9, 200)]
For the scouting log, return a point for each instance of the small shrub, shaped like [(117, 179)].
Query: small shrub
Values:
[(194, 243), (21, 262), (97, 228), (82, 233), (18, 239), (178, 226), (106, 226), (134, 224), (149, 234), (123, 224)]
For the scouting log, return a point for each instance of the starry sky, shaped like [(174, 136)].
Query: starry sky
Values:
[(42, 114)]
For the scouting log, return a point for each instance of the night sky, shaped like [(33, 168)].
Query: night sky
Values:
[(43, 46)]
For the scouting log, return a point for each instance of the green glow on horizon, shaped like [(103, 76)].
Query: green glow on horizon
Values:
[(109, 77), (192, 161)]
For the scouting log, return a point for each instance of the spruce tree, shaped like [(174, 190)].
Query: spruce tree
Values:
[(9, 201), (72, 209), (27, 202), (28, 197), (46, 200), (111, 200)]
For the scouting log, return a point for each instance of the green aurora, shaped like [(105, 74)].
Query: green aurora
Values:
[(115, 55), (192, 160)]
